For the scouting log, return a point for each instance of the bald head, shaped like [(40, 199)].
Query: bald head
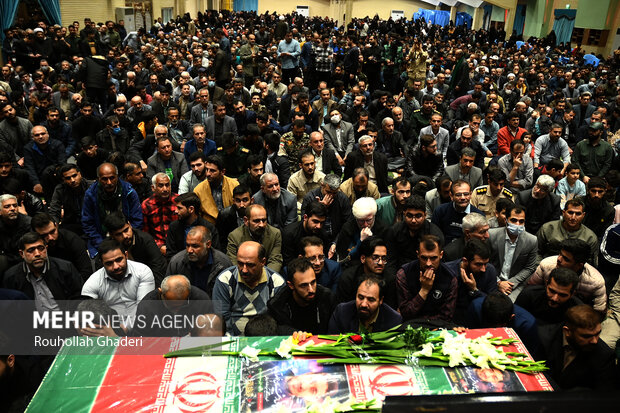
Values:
[(175, 287)]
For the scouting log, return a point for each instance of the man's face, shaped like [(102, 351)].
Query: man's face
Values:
[(474, 124), (375, 263), (214, 174), (250, 266), (480, 232), (567, 260), (573, 216), (35, 254), (53, 117), (164, 149), (557, 294), (496, 187), (271, 188), (5, 169), (199, 135), (303, 285), (461, 195), (9, 210), (539, 191), (288, 37), (220, 112), (414, 219), (198, 168), (367, 147), (317, 142), (427, 106), (466, 163), (466, 138), (257, 221), (313, 224), (108, 178), (360, 184), (86, 111), (120, 111), (367, 301), (241, 202), (402, 192), (477, 265), (429, 259), (40, 135), (583, 339), (135, 177), (596, 195), (49, 233), (161, 189), (388, 127), (115, 263), (308, 165), (316, 256), (123, 235), (196, 249), (204, 97), (555, 134), (435, 122)]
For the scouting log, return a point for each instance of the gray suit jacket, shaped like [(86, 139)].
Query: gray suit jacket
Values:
[(524, 260), (229, 126), (177, 162), (285, 211), (56, 102), (196, 114), (475, 175), (347, 137)]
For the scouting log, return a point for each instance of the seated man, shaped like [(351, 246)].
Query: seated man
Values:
[(68, 197), (337, 203), (312, 223), (140, 245), (475, 226), (426, 287), (424, 159), (438, 195), (198, 261), (367, 313), (485, 197), (599, 213), (517, 166), (42, 156), (230, 218), (390, 208), (573, 255), (548, 303), (280, 204), (62, 243), (176, 300), (121, 283), (465, 169), (159, 210), (196, 175), (497, 310), (166, 161), (513, 252), (363, 225), (109, 194), (553, 233), (307, 178), (449, 217), (44, 279), (13, 225), (255, 228), (244, 290), (303, 305), (215, 192), (402, 235), (610, 333), (375, 163), (373, 260), (359, 186), (327, 271), (541, 204), (133, 173), (255, 168), (574, 354), (188, 212)]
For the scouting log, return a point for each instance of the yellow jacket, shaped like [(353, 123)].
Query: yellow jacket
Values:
[(209, 209)]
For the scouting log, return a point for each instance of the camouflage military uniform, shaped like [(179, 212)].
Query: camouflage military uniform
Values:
[(485, 201), (420, 120), (236, 162), (291, 147)]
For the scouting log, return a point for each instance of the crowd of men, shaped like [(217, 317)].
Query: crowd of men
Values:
[(331, 179)]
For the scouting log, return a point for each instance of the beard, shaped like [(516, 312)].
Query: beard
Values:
[(272, 196)]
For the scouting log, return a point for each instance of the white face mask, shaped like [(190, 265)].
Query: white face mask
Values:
[(591, 84), (335, 119)]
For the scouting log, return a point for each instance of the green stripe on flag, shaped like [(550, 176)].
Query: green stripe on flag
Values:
[(73, 380)]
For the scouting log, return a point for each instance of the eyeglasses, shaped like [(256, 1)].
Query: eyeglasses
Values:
[(379, 258)]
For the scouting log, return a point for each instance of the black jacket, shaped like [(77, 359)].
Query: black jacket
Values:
[(61, 277), (380, 162), (72, 248), (351, 278), (225, 224), (146, 251), (180, 264), (538, 211), (66, 206), (291, 240), (338, 212), (330, 163), (175, 238), (282, 168), (453, 156), (402, 246), (417, 164), (10, 235), (349, 238), (345, 319), (282, 308)]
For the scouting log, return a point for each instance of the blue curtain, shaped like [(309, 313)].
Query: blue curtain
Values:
[(520, 19), (440, 17), (51, 9), (245, 5), (8, 8), (564, 24), (463, 18)]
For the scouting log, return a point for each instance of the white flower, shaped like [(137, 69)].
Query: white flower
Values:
[(250, 353), (285, 348), (427, 350)]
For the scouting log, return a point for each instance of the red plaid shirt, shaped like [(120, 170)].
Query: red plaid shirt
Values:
[(157, 217)]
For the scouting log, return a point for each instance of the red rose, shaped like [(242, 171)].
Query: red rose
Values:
[(356, 339)]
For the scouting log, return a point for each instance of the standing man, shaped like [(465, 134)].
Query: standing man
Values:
[(244, 290), (288, 53), (593, 155)]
